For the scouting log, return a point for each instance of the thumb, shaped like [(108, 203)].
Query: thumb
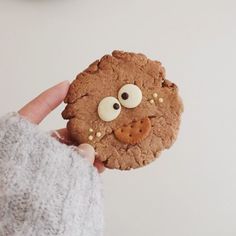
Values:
[(86, 151)]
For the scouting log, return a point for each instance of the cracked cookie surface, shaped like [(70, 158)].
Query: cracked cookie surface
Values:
[(160, 108)]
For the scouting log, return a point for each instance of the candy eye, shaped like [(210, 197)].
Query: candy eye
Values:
[(130, 95), (109, 108)]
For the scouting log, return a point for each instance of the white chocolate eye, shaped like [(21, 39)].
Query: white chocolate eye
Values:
[(130, 95), (109, 108)]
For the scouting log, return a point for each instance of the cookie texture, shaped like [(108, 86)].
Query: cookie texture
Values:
[(125, 108)]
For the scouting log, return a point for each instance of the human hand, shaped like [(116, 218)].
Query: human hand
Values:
[(36, 110)]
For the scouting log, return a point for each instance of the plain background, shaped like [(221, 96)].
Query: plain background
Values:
[(190, 190)]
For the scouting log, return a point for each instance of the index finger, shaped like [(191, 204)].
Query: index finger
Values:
[(36, 110)]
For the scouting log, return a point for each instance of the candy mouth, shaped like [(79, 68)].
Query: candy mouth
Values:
[(135, 132)]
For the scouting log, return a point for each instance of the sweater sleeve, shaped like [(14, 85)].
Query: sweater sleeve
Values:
[(46, 188)]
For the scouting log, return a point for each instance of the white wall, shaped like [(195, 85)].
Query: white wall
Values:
[(190, 190)]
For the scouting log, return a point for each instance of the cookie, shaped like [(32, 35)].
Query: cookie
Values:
[(125, 108)]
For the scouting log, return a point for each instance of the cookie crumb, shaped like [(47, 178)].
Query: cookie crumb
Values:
[(98, 134), (90, 130), (161, 100), (151, 101), (90, 137)]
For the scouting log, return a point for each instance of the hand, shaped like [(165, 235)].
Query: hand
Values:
[(36, 110)]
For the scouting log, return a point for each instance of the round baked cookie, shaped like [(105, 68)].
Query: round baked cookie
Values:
[(125, 108)]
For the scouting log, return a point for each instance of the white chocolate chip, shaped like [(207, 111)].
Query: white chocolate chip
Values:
[(151, 101), (90, 137), (161, 100), (134, 95), (106, 110), (155, 95), (98, 134), (90, 130)]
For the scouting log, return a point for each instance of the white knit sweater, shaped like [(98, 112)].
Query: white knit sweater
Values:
[(46, 188)]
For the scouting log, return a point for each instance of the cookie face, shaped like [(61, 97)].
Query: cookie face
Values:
[(125, 108)]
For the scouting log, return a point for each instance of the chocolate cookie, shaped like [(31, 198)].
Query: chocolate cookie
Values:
[(125, 108)]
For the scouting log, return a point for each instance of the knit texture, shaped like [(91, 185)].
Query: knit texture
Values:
[(46, 188)]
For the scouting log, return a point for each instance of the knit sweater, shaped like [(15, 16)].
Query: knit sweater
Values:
[(46, 188)]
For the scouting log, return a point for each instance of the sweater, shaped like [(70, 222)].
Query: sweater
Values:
[(46, 188)]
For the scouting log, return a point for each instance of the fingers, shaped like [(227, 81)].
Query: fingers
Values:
[(62, 135), (36, 110), (87, 151), (84, 150), (99, 165)]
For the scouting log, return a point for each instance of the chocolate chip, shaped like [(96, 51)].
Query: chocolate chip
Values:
[(125, 96), (116, 106)]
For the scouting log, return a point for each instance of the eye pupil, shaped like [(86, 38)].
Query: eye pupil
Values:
[(116, 106), (125, 96)]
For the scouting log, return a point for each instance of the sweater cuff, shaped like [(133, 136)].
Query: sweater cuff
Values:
[(50, 186)]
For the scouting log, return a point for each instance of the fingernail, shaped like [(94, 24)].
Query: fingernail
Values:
[(86, 151)]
